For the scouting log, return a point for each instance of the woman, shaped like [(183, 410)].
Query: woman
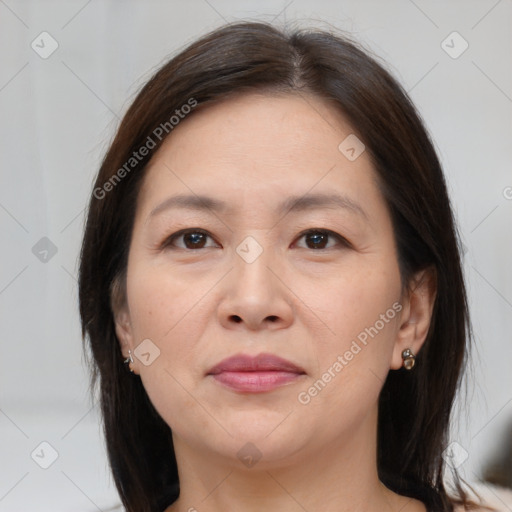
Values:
[(271, 285)]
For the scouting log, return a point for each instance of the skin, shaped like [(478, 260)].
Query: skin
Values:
[(307, 305)]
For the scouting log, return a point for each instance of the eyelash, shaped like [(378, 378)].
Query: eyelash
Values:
[(169, 240)]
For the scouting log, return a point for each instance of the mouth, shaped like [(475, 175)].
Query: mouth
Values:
[(259, 374)]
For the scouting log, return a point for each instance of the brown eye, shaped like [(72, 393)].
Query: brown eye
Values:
[(319, 239), (191, 239)]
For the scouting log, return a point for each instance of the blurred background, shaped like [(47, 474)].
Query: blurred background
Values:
[(69, 69)]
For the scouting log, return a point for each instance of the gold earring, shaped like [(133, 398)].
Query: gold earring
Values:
[(409, 359), (129, 360)]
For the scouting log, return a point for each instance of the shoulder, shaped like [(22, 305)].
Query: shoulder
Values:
[(494, 497)]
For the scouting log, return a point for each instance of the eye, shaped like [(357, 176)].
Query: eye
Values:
[(318, 238), (193, 238)]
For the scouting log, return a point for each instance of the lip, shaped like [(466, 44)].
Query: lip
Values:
[(258, 374)]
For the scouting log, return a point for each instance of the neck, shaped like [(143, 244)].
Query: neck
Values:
[(341, 477)]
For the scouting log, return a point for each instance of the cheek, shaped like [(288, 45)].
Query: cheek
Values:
[(362, 313), (165, 302), (355, 303), (166, 309)]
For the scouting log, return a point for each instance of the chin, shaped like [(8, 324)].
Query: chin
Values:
[(269, 439)]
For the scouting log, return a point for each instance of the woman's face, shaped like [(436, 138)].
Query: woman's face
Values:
[(248, 280)]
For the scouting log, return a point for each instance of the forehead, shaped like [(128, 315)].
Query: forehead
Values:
[(259, 119), (257, 144), (275, 129)]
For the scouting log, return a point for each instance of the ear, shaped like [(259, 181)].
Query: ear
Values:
[(124, 331), (122, 320), (418, 305)]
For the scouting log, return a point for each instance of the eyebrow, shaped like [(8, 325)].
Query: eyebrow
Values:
[(291, 204)]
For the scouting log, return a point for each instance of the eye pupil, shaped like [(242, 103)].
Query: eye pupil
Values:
[(318, 238), (194, 238)]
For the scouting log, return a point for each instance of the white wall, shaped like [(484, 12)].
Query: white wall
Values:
[(57, 116)]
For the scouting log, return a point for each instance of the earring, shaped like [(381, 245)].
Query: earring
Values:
[(129, 360), (409, 359)]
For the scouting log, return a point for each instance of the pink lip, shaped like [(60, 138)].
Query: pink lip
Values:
[(255, 374)]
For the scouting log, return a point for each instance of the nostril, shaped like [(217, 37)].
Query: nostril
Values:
[(237, 319)]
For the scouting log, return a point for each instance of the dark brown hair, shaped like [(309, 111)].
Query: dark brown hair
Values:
[(414, 407)]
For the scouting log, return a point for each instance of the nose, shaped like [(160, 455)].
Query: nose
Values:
[(256, 296)]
